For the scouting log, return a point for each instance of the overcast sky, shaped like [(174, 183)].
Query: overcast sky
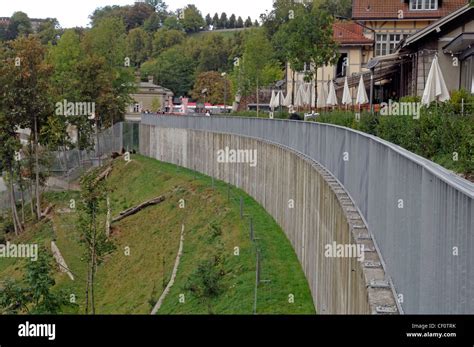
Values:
[(71, 13)]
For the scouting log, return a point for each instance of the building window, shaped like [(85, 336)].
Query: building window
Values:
[(467, 74), (341, 67), (136, 108), (423, 5), (306, 68), (386, 43)]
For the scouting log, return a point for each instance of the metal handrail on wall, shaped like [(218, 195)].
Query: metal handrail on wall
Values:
[(420, 214)]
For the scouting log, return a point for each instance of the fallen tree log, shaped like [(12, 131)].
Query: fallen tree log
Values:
[(103, 175), (47, 211), (136, 209)]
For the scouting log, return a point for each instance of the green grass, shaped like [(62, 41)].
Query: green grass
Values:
[(132, 284), (225, 33)]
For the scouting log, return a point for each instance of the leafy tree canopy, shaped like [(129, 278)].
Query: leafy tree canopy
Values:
[(192, 20)]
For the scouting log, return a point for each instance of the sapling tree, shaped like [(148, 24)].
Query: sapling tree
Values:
[(35, 294), (92, 225)]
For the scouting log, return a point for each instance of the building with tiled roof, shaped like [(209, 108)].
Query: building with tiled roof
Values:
[(376, 30), (393, 20), (410, 9), (350, 33), (355, 50)]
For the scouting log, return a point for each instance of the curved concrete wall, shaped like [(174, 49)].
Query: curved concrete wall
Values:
[(427, 242), (323, 213)]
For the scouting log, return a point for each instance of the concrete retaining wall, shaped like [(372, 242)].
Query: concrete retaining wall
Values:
[(420, 215), (323, 213)]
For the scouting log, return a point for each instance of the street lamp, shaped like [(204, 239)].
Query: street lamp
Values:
[(225, 91)]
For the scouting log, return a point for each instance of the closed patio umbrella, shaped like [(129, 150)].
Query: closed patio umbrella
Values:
[(307, 95), (332, 97), (322, 96), (362, 98), (346, 95), (435, 88), (287, 100), (299, 100), (278, 99), (272, 100)]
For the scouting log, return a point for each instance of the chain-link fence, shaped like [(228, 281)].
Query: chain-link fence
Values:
[(237, 199), (66, 166)]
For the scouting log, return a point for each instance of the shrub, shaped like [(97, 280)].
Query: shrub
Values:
[(410, 99), (205, 283), (6, 225), (400, 130), (440, 132), (368, 123)]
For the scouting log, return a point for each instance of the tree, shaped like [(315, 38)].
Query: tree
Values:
[(27, 94), (280, 14), (208, 20), (159, 5), (256, 23), (307, 39), (214, 53), (19, 25), (232, 21), (172, 69), (156, 20), (108, 40), (66, 81), (240, 22), (10, 146), (172, 23), (192, 21), (136, 15), (336, 7), (104, 12), (164, 39), (138, 46), (92, 226), (3, 32), (133, 16), (153, 23), (111, 85), (248, 22), (48, 31), (258, 66), (36, 295), (216, 21), (216, 86), (39, 279), (223, 21)]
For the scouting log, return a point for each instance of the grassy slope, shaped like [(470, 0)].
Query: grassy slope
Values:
[(130, 284)]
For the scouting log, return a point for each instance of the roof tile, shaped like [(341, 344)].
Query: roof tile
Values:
[(349, 33), (388, 9)]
